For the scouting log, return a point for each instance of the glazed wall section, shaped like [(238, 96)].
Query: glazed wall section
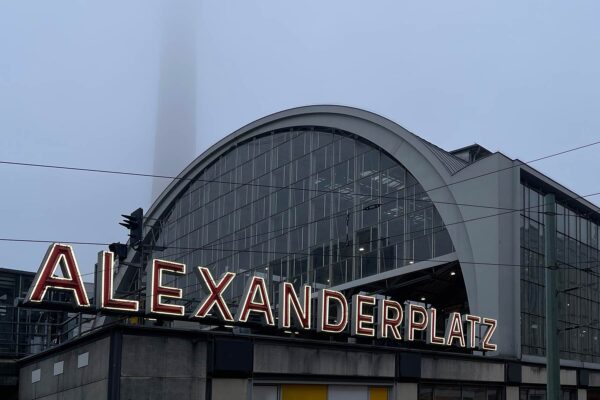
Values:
[(305, 205), (577, 253)]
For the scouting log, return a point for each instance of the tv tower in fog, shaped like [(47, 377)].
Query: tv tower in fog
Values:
[(175, 136)]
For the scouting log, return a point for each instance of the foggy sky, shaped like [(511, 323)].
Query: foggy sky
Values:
[(79, 86)]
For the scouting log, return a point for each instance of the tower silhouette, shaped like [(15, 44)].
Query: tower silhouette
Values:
[(175, 136)]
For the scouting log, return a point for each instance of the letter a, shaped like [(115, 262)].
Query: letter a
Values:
[(58, 254)]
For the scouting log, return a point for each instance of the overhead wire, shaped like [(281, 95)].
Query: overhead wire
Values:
[(369, 196), (248, 250), (128, 173), (331, 216)]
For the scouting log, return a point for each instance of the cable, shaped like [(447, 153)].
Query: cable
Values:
[(247, 269), (378, 239), (291, 253), (292, 188), (284, 230), (53, 241), (115, 172), (441, 262)]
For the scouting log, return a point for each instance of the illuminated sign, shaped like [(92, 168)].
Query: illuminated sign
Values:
[(365, 315)]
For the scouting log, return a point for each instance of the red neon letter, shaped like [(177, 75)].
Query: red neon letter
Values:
[(256, 286), (154, 304), (359, 318), (485, 342), (302, 307), (432, 338), (472, 320), (104, 288), (215, 297), (58, 254), (386, 322), (410, 323), (323, 324), (454, 330)]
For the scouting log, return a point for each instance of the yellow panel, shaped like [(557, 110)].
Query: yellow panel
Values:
[(378, 393), (304, 392)]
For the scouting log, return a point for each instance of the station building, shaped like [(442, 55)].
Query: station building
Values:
[(340, 198)]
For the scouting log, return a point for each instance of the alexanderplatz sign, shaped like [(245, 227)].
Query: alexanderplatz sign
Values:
[(367, 316)]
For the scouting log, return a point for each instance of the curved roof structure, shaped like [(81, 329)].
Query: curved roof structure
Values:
[(431, 165), (433, 168)]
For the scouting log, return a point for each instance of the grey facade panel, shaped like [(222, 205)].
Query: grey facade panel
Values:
[(225, 389), (462, 370), (164, 357), (279, 359)]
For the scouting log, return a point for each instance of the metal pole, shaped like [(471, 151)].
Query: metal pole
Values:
[(552, 354)]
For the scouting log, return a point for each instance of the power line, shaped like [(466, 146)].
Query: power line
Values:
[(126, 173), (393, 198), (262, 269), (238, 184), (432, 229), (189, 250)]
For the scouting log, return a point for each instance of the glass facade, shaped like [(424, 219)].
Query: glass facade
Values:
[(459, 392), (24, 331), (578, 279), (526, 393), (307, 205)]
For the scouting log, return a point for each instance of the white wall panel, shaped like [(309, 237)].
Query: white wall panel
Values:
[(336, 392), (264, 393)]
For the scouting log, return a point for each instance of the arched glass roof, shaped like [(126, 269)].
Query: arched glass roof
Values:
[(308, 205)]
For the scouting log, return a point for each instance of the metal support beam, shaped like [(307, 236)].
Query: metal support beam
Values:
[(552, 354)]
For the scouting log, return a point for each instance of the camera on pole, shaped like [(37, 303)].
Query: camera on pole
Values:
[(134, 222)]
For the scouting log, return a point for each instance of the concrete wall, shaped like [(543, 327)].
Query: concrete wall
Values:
[(84, 382), (512, 393), (465, 370), (595, 379), (493, 291), (406, 391), (163, 364), (228, 389), (537, 375), (162, 367), (285, 359)]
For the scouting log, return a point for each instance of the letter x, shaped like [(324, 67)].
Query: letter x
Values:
[(215, 296)]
